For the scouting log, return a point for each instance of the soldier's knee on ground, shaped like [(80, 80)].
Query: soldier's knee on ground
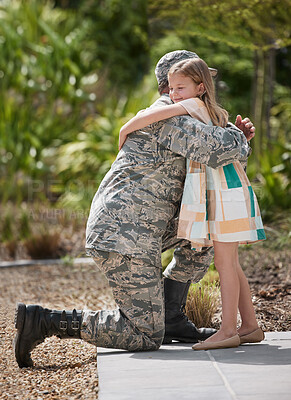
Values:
[(156, 339), (147, 343)]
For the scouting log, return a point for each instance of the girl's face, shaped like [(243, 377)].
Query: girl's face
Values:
[(182, 87)]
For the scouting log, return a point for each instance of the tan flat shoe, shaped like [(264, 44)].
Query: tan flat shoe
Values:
[(234, 341), (254, 337)]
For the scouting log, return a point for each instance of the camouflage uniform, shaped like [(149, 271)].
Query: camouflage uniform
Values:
[(133, 218), (137, 289)]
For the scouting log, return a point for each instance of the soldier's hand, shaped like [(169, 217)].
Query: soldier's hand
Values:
[(246, 126)]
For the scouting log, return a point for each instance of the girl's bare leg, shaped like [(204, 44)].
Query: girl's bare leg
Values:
[(245, 305), (225, 260)]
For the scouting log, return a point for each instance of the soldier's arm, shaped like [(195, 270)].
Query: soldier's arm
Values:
[(148, 117), (213, 146), (210, 145)]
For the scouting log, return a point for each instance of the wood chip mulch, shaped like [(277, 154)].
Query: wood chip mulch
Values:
[(63, 369)]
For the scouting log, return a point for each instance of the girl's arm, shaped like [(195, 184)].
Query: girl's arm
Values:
[(147, 117)]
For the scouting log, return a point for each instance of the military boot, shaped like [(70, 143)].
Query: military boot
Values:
[(178, 327), (34, 323)]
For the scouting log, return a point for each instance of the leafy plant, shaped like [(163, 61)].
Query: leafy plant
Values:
[(6, 227), (167, 257), (118, 39), (24, 226), (42, 96), (273, 182)]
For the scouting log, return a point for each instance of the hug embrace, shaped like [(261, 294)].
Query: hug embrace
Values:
[(178, 182)]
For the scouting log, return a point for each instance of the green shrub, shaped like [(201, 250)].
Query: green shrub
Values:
[(272, 183), (6, 227), (24, 230)]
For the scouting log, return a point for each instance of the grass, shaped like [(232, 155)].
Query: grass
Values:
[(6, 227), (43, 245), (203, 299)]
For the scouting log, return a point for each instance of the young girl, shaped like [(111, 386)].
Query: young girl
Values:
[(219, 207)]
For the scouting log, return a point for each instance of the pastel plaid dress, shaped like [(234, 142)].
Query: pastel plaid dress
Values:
[(217, 204)]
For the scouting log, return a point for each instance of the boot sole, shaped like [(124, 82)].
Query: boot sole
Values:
[(168, 340), (19, 325)]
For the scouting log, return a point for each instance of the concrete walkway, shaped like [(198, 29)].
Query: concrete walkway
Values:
[(176, 372), (57, 261)]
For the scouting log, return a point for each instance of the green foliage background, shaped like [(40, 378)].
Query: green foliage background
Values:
[(71, 73)]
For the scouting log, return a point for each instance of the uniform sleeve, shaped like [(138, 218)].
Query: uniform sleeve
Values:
[(210, 145)]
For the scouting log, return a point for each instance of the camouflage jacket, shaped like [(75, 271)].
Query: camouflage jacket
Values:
[(137, 203)]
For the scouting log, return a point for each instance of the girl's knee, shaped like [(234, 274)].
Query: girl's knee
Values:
[(225, 254)]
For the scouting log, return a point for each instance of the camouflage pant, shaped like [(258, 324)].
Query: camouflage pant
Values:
[(138, 322), (188, 264)]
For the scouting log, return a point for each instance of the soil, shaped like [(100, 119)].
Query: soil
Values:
[(66, 369)]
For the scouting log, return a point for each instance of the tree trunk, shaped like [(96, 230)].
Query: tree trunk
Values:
[(258, 102), (270, 63)]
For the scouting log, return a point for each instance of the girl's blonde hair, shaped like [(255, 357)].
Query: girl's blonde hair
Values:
[(198, 71)]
